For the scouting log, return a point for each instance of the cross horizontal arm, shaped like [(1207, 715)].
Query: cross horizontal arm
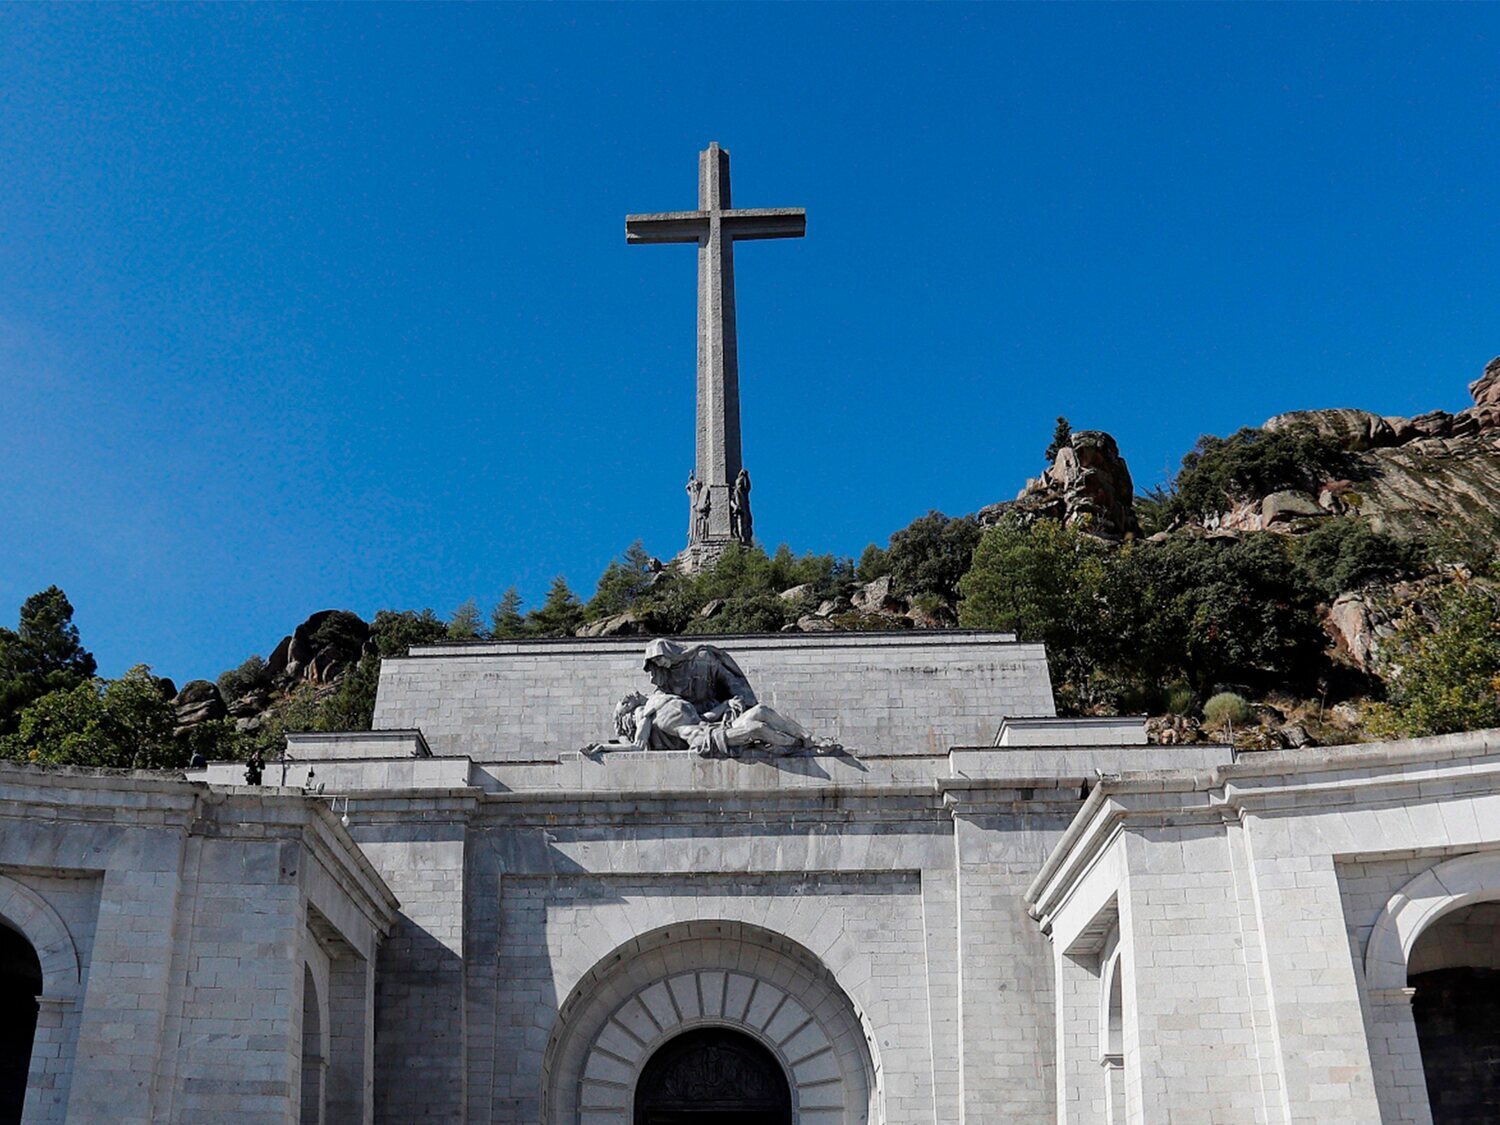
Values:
[(765, 222), (668, 226)]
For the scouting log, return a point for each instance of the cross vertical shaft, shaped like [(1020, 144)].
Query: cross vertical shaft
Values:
[(718, 448), (719, 489)]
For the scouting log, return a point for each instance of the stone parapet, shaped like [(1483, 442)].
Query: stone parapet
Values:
[(909, 693)]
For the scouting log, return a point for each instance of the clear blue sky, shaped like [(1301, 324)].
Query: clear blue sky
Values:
[(332, 306)]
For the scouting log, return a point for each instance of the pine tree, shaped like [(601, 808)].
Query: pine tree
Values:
[(466, 624), (561, 614), (506, 620), (624, 580), (42, 655), (1062, 435)]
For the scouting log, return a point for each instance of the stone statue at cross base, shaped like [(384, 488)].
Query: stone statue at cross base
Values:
[(700, 504), (740, 523), (701, 702)]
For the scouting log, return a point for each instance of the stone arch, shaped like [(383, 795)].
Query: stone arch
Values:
[(31, 916), (314, 1049), (1439, 890), (704, 974), (1112, 1027)]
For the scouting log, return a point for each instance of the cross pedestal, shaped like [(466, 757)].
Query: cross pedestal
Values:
[(718, 513)]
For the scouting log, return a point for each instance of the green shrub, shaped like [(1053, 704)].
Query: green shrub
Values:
[(1208, 611), (1062, 434), (1345, 553), (758, 613), (466, 624), (1041, 581), (622, 584), (1445, 679), (395, 631), (560, 615), (873, 563), (119, 724), (1180, 699), (42, 655), (252, 675), (1252, 462), (930, 555), (1226, 709)]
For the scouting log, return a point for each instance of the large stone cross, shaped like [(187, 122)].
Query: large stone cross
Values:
[(715, 227)]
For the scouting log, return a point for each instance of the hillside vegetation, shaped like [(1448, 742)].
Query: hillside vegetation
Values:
[(1330, 576)]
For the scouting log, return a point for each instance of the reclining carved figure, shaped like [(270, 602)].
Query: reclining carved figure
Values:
[(703, 703)]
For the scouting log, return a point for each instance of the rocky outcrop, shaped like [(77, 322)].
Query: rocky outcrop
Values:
[(620, 625), (321, 649), (198, 702), (1087, 486), (1360, 620), (879, 596), (1355, 430), (1435, 473), (1284, 507)]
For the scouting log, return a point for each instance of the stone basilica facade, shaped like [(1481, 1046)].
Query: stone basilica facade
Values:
[(953, 907), (830, 879)]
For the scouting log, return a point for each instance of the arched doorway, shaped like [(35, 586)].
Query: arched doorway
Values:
[(689, 976), (713, 1075), (1455, 977), (20, 985)]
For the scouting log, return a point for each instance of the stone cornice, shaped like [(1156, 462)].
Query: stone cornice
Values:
[(149, 801), (1277, 783)]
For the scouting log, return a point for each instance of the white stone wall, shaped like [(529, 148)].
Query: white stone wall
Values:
[(916, 693), (172, 929), (1253, 903), (911, 904)]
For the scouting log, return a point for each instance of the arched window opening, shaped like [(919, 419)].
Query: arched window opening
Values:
[(713, 1076), (312, 1052), (1455, 974), (20, 985)]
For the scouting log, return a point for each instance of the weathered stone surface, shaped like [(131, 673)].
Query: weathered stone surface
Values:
[(1348, 623), (198, 702), (833, 606), (813, 623), (1283, 507), (712, 608), (1295, 735), (938, 615), (1088, 486), (879, 596), (619, 625), (1435, 473), (1485, 413), (302, 657), (798, 593), (1355, 430)]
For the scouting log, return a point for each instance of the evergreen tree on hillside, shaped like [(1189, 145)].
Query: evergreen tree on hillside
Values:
[(395, 631), (621, 585), (42, 655), (561, 614), (1062, 434), (466, 624), (506, 620), (930, 554)]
